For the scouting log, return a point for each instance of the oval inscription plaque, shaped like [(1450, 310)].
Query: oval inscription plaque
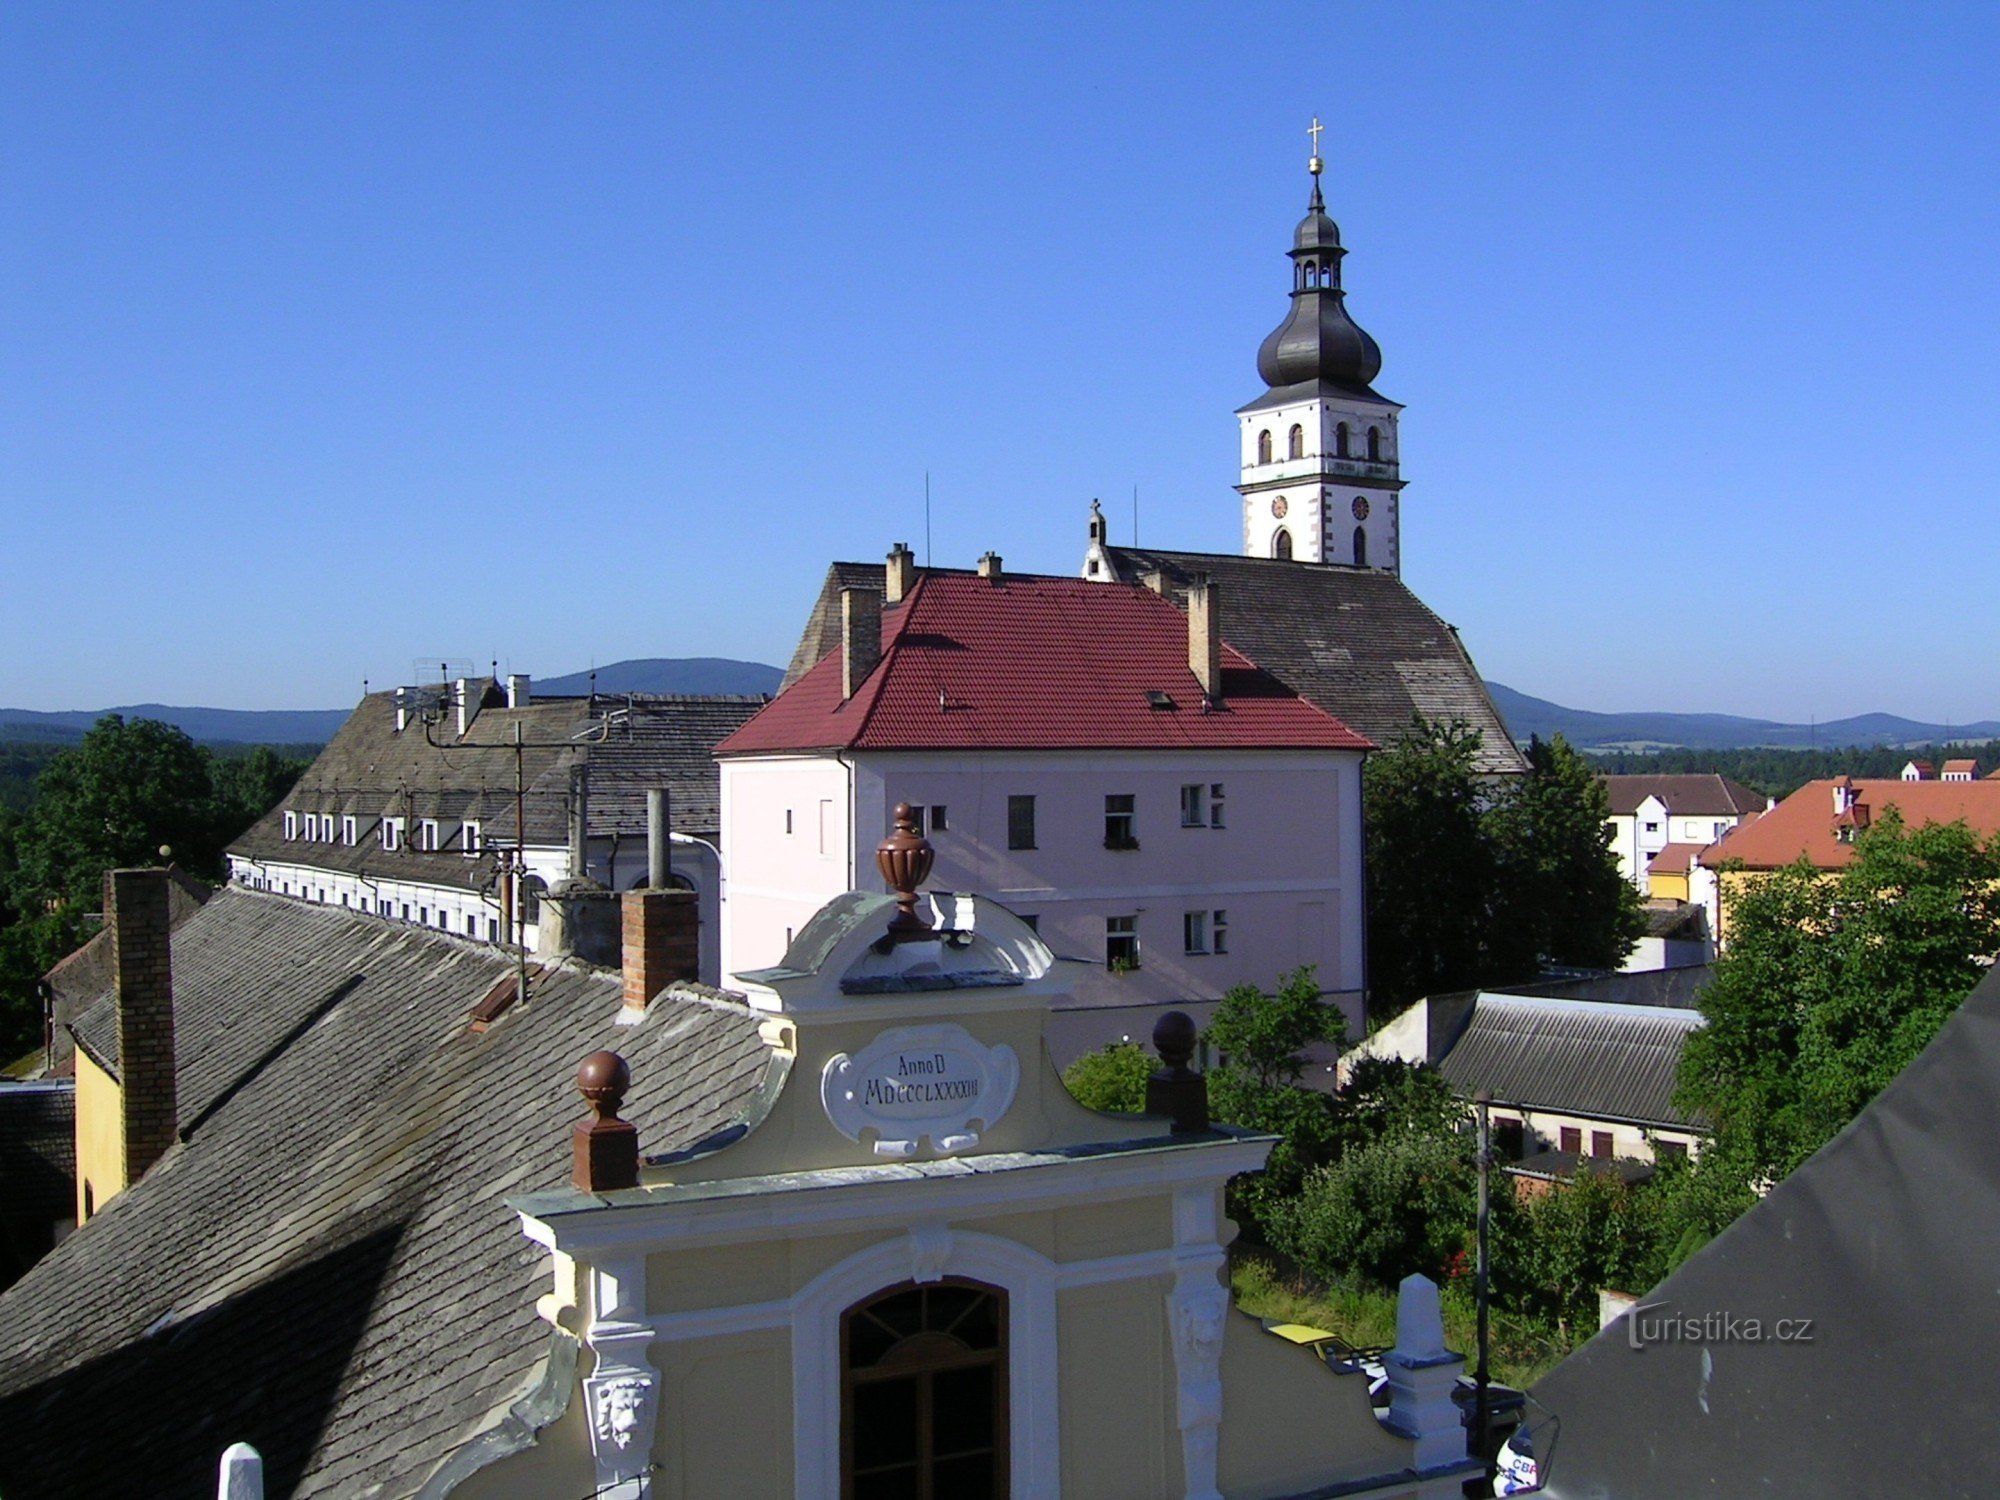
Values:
[(914, 1085)]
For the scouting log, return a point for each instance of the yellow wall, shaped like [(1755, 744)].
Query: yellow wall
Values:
[(1120, 1437), (1667, 887), (100, 1136)]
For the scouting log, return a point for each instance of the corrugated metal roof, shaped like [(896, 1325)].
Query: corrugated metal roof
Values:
[(1581, 1057)]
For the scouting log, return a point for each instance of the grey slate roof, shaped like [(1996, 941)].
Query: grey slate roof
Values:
[(324, 1267), (82, 976), (1579, 1057), (37, 1152), (1354, 641), (1884, 1238), (370, 771)]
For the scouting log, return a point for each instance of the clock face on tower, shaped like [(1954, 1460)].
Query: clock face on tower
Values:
[(1360, 507), (1279, 507)]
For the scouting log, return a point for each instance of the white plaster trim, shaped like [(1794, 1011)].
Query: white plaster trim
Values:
[(672, 1221), (1028, 1278), (622, 1394)]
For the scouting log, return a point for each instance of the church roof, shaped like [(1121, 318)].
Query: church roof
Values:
[(1035, 662), (1355, 641), (324, 1266)]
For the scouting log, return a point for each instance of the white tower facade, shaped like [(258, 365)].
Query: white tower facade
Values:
[(1321, 478)]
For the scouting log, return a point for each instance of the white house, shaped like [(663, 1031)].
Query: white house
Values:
[(1650, 812), (1139, 792)]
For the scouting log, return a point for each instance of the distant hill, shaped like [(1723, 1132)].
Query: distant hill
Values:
[(1526, 716), (241, 726), (661, 674)]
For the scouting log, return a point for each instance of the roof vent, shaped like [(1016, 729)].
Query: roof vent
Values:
[(1160, 700)]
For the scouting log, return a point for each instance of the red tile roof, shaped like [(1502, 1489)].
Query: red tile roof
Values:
[(1036, 663), (1970, 767), (1674, 859), (1804, 822)]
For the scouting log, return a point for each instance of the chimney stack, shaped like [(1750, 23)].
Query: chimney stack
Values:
[(579, 820), (1205, 636), (518, 692), (1154, 579), (901, 574), (860, 638), (989, 567), (661, 944), (462, 696), (659, 829), (137, 910)]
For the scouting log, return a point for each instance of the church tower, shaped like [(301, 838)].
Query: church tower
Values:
[(1320, 478)]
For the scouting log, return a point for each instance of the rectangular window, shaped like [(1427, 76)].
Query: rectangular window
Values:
[(1218, 931), (937, 817), (917, 819), (1194, 931), (1120, 825), (1121, 944), (826, 827), (1033, 919), (1670, 1148), (392, 838), (427, 835), (1020, 822), (1510, 1138), (350, 830), (1215, 805), (328, 830), (1194, 806), (309, 827), (1572, 1140), (1600, 1144), (291, 825), (473, 840), (788, 820)]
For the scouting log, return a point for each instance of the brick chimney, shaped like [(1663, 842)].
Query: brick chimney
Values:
[(901, 574), (662, 943), (1204, 616), (138, 912), (989, 567), (860, 638)]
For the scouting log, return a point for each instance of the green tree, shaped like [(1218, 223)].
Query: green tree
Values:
[(1112, 1078), (1260, 1048), (1586, 1234), (113, 801), (1562, 899), (1433, 871), (1405, 1203), (1831, 984)]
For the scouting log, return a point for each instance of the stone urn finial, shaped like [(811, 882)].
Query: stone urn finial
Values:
[(905, 858)]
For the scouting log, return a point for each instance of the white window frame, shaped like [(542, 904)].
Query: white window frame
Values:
[(1218, 931), (1215, 805), (291, 826), (427, 835), (1131, 931), (1194, 933), (350, 829), (473, 838), (392, 834), (1194, 804)]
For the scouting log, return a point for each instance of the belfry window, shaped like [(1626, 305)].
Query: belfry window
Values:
[(1374, 445), (923, 1409), (1264, 446), (1340, 441), (1281, 545), (1360, 547), (1297, 446)]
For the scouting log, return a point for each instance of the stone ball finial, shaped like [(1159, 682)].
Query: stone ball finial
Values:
[(603, 1078), (905, 858), (1174, 1038)]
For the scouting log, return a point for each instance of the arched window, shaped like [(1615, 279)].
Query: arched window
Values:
[(1374, 445), (924, 1393), (1360, 547), (1298, 442), (1281, 544), (1264, 446), (1340, 441)]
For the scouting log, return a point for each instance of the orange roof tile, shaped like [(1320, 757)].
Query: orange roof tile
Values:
[(1674, 859), (1804, 823)]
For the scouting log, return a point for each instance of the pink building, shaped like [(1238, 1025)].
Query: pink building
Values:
[(1167, 815)]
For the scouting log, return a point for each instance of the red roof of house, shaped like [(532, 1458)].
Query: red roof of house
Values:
[(1969, 766), (1036, 663), (1804, 823), (1674, 859)]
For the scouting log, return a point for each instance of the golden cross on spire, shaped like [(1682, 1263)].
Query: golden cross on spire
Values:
[(1314, 165)]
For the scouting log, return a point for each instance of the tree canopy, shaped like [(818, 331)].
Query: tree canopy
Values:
[(1480, 881)]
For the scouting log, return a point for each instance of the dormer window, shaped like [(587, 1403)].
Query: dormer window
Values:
[(350, 830), (291, 825), (427, 835), (473, 841), (392, 834)]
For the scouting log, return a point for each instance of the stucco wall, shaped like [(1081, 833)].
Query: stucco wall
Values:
[(100, 1149)]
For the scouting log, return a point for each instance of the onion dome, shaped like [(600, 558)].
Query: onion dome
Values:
[(1318, 341)]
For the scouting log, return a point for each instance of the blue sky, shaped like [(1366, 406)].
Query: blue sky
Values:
[(334, 338)]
